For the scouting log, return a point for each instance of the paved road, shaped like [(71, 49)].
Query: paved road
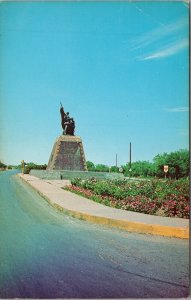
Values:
[(46, 254)]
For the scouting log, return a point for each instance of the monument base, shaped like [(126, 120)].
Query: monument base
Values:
[(69, 175), (67, 154)]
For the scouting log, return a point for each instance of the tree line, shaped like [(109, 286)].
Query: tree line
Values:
[(177, 162), (32, 166), (29, 166), (2, 166)]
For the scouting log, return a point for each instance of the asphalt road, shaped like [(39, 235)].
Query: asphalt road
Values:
[(46, 254)]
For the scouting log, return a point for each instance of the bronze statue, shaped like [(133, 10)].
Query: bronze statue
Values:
[(68, 123)]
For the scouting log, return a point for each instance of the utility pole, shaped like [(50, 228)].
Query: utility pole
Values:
[(116, 160), (130, 160)]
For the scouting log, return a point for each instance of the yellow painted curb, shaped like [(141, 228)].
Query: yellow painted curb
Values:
[(177, 232), (168, 231)]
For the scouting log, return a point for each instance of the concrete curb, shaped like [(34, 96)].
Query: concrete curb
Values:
[(132, 226), (168, 231)]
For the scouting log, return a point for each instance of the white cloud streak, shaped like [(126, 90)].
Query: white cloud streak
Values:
[(166, 40), (157, 34), (169, 51), (184, 132), (178, 109)]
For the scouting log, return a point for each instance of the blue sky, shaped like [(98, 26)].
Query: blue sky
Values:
[(119, 68)]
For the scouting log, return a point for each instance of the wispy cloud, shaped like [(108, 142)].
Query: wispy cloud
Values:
[(158, 34), (164, 41), (183, 132), (177, 109), (168, 51)]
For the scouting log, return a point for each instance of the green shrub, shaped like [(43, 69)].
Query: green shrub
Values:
[(171, 197)]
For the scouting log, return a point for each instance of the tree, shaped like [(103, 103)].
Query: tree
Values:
[(114, 169), (32, 165), (101, 168), (2, 165), (159, 161), (90, 166), (139, 169), (178, 163)]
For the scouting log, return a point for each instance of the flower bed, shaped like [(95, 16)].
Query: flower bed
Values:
[(155, 197)]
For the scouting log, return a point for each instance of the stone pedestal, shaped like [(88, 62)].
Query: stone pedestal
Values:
[(67, 154)]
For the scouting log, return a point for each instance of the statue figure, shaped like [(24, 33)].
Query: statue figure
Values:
[(68, 123)]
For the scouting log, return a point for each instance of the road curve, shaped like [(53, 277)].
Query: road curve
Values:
[(46, 254), (86, 209)]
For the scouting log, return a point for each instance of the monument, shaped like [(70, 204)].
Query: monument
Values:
[(67, 152), (67, 159)]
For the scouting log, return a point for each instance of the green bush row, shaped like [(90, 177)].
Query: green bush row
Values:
[(160, 197)]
